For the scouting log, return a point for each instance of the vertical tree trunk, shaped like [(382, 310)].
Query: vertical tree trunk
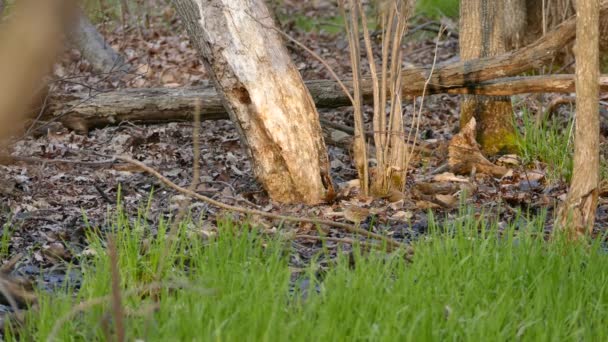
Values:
[(578, 212), (482, 35), (94, 49), (264, 95)]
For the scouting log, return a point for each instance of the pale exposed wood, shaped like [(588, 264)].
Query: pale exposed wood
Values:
[(263, 94), (577, 214)]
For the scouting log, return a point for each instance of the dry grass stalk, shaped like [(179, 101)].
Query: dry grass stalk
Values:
[(418, 114), (359, 145), (392, 152), (118, 314)]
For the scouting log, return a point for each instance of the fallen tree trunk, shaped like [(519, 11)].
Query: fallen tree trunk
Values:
[(84, 111)]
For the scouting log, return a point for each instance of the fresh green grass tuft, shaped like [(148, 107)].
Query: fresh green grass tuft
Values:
[(550, 142), (5, 239), (467, 282)]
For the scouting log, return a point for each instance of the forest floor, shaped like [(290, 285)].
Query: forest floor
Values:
[(49, 209)]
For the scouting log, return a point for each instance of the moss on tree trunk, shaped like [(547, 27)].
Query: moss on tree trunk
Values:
[(483, 34)]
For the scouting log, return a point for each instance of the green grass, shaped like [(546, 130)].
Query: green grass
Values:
[(466, 284), (550, 142), (438, 8), (5, 239)]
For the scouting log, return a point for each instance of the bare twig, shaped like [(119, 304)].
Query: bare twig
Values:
[(117, 309), (347, 227), (418, 117)]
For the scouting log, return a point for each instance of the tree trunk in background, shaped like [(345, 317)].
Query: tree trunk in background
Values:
[(540, 17), (578, 212), (264, 95), (482, 35), (94, 49)]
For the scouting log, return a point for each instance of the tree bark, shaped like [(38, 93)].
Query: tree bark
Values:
[(482, 34), (94, 49), (83, 111), (578, 212), (264, 95)]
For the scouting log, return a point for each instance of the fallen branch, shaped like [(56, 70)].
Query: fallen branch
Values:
[(190, 193), (82, 112)]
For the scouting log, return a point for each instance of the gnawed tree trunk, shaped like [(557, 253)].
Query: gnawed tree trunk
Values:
[(577, 215), (482, 35), (264, 95), (92, 46)]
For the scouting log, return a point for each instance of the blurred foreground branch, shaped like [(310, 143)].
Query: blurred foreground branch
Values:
[(29, 43)]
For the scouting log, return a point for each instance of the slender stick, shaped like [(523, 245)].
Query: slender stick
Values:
[(347, 227)]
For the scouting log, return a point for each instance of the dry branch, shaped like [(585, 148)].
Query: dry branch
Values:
[(352, 229)]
